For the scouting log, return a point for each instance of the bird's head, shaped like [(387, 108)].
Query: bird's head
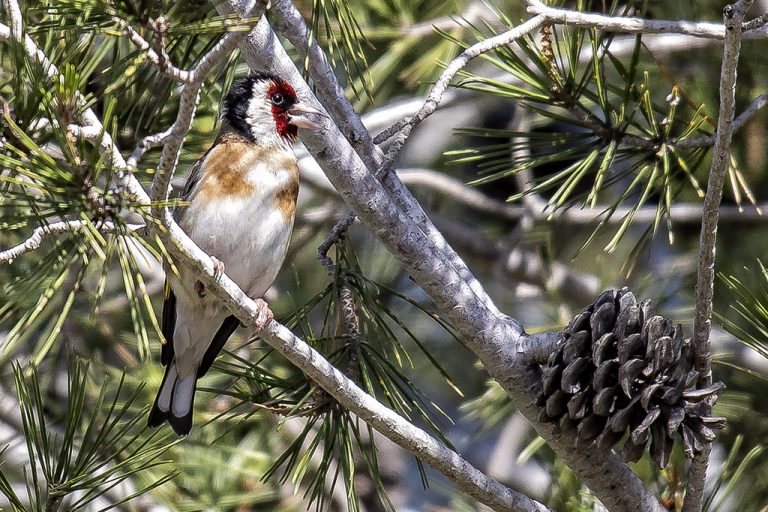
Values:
[(264, 108)]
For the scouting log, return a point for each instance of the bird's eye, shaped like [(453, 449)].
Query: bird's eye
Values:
[(277, 98)]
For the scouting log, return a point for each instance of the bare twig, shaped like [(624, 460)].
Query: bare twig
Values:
[(161, 61), (35, 240), (633, 24), (403, 129), (754, 24), (334, 236), (733, 17), (190, 95), (708, 140), (146, 144)]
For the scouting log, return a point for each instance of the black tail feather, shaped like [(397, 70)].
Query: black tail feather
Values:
[(228, 326), (182, 425), (156, 416), (168, 325)]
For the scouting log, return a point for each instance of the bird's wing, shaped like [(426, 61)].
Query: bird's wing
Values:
[(191, 186), (168, 324), (228, 327)]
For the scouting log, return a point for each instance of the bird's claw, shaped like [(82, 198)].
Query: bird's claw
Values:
[(264, 315), (218, 271), (218, 268)]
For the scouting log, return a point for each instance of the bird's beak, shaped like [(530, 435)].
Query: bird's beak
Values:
[(298, 117)]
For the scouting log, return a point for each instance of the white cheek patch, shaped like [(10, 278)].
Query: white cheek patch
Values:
[(259, 116)]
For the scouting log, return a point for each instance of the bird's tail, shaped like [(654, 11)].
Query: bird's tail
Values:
[(174, 401)]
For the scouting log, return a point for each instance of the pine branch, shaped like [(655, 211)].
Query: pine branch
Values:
[(158, 59), (733, 17), (40, 233), (497, 339), (636, 25)]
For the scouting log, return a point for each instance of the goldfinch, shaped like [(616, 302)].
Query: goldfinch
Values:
[(241, 199)]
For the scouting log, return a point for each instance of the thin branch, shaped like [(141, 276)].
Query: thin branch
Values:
[(733, 17), (403, 129), (379, 119), (708, 140), (755, 23), (146, 144), (634, 25), (40, 233), (333, 236), (159, 60), (189, 97)]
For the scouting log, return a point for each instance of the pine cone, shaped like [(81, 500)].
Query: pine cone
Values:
[(620, 368)]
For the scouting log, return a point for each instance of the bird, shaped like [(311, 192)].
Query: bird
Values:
[(240, 201)]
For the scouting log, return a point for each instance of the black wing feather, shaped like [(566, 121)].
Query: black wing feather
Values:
[(168, 325), (228, 326)]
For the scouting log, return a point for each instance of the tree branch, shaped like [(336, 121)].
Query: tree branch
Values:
[(498, 340), (190, 95), (391, 424), (40, 233), (162, 63), (292, 25), (708, 140), (297, 351), (733, 17), (635, 25), (402, 129)]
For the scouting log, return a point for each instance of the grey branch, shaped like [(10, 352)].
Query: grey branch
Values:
[(40, 233), (733, 17), (497, 339), (146, 144), (402, 129), (635, 25), (312, 363), (162, 63), (190, 95)]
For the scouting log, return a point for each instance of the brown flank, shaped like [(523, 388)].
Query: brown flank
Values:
[(286, 199), (227, 164)]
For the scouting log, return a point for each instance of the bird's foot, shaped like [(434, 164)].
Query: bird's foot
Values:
[(218, 268), (264, 315), (218, 271)]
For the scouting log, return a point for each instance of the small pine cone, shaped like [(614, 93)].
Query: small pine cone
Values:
[(619, 368)]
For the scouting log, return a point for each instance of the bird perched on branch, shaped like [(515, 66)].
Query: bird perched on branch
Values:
[(242, 201)]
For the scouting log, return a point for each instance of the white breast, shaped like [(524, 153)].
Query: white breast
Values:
[(250, 235)]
